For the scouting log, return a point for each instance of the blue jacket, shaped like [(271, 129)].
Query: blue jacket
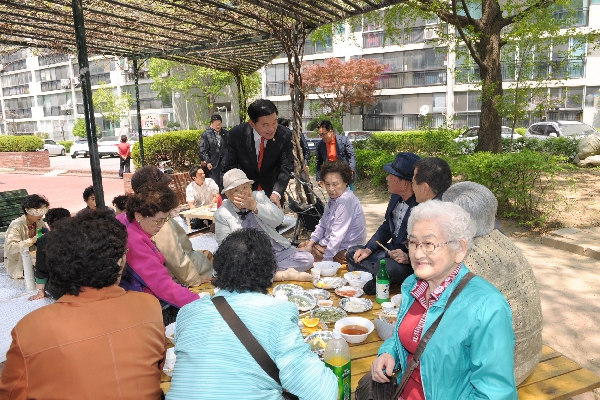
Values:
[(213, 364), (344, 150), (471, 354), (385, 231)]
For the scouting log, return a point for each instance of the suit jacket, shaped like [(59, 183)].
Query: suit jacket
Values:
[(102, 344), (345, 153), (209, 151), (278, 160), (269, 217), (385, 231)]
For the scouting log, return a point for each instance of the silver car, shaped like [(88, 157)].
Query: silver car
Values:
[(549, 129), (53, 148)]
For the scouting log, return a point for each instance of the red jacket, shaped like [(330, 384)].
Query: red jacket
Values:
[(124, 150)]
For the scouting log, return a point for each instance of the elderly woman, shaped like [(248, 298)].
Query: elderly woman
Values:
[(470, 355), (495, 258), (245, 267), (96, 341), (22, 233), (343, 222), (247, 209), (146, 212)]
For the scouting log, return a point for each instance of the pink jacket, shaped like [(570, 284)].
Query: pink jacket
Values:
[(148, 272)]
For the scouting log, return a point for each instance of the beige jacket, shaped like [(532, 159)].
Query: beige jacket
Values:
[(182, 261), (17, 239)]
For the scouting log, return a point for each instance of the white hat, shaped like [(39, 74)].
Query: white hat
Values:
[(234, 178)]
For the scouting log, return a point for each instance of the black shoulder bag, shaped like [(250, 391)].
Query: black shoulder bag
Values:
[(368, 389), (249, 341)]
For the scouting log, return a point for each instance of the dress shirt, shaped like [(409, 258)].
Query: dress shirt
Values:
[(341, 226), (331, 150), (201, 194), (257, 139)]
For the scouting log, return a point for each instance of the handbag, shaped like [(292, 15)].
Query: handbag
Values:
[(249, 341), (368, 389)]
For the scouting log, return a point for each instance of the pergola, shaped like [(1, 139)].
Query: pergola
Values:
[(230, 35)]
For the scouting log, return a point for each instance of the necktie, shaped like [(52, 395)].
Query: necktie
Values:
[(261, 153)]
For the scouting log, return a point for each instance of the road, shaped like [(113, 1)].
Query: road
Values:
[(83, 164)]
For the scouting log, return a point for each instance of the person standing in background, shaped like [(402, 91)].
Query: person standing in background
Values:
[(213, 145), (125, 156), (303, 143), (334, 147)]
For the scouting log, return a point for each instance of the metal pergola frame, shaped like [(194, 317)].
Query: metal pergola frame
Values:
[(229, 35)]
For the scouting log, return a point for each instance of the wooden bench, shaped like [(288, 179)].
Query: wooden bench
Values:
[(555, 378), (10, 206)]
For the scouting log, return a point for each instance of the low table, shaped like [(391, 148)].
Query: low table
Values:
[(204, 212)]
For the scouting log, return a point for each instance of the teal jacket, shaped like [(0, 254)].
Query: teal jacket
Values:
[(213, 364), (471, 354)]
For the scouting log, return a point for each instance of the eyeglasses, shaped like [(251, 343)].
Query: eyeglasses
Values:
[(426, 247), (323, 134), (160, 221)]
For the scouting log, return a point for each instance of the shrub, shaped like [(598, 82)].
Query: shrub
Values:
[(67, 144), (369, 165), (23, 143), (428, 142), (180, 147)]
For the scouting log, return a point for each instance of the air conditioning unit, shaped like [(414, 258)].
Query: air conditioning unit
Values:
[(76, 81), (430, 34), (65, 83)]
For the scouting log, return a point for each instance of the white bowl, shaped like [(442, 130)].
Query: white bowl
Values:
[(358, 278), (327, 268), (170, 332), (355, 321)]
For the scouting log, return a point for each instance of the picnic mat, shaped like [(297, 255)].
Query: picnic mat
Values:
[(14, 306), (289, 221)]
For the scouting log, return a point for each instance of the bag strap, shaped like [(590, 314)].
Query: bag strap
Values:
[(425, 339), (246, 337)]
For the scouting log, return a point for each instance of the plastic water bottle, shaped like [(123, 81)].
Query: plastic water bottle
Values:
[(382, 291), (337, 357)]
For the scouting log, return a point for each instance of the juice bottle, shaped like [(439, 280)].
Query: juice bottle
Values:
[(382, 293), (337, 357)]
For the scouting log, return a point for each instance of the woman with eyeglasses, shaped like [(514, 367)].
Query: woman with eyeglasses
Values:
[(145, 213), (471, 353)]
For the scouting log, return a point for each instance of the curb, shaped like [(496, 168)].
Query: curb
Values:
[(585, 241)]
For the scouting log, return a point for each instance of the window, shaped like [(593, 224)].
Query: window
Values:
[(56, 104), (592, 96)]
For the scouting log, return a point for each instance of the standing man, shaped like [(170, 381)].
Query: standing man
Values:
[(334, 147), (213, 144), (392, 232), (124, 156), (303, 143), (263, 150)]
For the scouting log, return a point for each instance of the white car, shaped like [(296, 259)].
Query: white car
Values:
[(78, 148), (107, 146), (550, 129), (53, 148)]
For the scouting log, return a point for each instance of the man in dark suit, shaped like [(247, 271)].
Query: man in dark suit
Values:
[(392, 232), (263, 150), (213, 145), (334, 147)]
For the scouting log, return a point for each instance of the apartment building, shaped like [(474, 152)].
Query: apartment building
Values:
[(40, 92), (423, 79)]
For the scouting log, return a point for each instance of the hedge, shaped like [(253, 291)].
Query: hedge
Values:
[(19, 144), (180, 147), (67, 144)]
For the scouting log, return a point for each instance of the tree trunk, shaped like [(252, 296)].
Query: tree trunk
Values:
[(241, 96)]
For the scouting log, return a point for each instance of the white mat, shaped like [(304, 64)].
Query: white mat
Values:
[(14, 306), (205, 242)]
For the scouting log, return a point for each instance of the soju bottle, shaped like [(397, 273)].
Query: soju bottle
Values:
[(382, 293), (337, 358)]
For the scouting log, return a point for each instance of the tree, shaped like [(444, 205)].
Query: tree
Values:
[(79, 128), (248, 86), (483, 28), (340, 85), (110, 105)]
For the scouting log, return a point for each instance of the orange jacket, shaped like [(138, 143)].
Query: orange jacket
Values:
[(103, 344)]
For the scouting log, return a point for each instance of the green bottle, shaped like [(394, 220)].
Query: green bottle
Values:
[(39, 233), (382, 293)]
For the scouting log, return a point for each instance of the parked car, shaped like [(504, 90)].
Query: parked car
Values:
[(473, 133), (548, 129), (79, 148), (53, 148), (358, 135), (107, 146), (312, 138)]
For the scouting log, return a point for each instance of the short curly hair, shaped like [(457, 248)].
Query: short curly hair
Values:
[(150, 200), (244, 262), (84, 251), (120, 201), (339, 167), (147, 175), (88, 192), (56, 214), (34, 201)]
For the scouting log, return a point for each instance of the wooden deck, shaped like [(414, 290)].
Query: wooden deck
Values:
[(556, 377)]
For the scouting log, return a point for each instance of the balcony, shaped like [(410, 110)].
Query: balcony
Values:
[(571, 18), (58, 84), (16, 90), (407, 36), (14, 66), (278, 89), (412, 79), (96, 79), (57, 111), (52, 59), (19, 113), (129, 76)]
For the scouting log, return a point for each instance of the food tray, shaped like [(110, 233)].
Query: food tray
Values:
[(332, 282), (356, 305), (349, 291), (328, 314)]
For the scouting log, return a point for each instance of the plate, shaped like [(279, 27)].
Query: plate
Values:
[(328, 314), (318, 340), (303, 301), (349, 291), (397, 299), (305, 330), (287, 289), (319, 294), (332, 282), (355, 305)]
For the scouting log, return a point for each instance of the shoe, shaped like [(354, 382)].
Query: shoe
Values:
[(369, 287)]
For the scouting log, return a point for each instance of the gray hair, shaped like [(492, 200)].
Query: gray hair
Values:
[(478, 201), (454, 222)]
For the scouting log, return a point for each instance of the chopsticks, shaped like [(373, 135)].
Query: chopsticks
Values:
[(382, 246)]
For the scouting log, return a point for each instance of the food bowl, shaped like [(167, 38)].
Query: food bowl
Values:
[(358, 278), (349, 324), (327, 268), (170, 332)]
